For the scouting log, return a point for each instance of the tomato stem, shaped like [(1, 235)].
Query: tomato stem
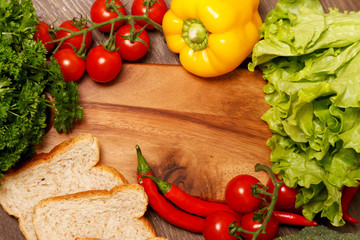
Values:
[(120, 17), (264, 213), (111, 6), (81, 51), (149, 2), (271, 207)]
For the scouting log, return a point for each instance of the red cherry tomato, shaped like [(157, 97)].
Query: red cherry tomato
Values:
[(131, 51), (71, 65), (238, 194), (103, 65), (286, 196), (157, 10), (247, 223), (76, 40), (42, 34), (217, 224), (99, 14)]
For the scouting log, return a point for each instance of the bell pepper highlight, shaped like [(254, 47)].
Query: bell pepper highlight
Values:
[(212, 37)]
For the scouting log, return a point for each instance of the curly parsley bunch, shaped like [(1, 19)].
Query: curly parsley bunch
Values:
[(25, 77)]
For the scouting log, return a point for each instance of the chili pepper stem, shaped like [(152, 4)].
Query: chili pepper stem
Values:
[(162, 206), (163, 186), (143, 167)]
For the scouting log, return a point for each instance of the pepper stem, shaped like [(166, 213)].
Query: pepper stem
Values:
[(143, 166), (163, 186), (195, 34)]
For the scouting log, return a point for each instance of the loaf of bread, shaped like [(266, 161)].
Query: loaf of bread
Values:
[(70, 167), (108, 215)]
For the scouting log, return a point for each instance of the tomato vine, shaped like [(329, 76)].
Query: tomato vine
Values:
[(264, 214), (112, 7), (108, 16)]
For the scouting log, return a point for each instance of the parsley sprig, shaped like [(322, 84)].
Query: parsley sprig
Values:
[(25, 78)]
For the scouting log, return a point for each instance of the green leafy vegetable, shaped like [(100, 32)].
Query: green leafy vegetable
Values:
[(311, 61), (25, 78), (320, 233)]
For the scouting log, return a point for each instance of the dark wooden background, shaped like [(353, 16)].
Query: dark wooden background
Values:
[(58, 11)]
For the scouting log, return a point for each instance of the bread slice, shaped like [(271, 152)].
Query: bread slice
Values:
[(108, 215), (153, 238), (70, 167)]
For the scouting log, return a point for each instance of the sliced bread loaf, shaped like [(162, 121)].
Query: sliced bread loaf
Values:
[(107, 215), (153, 238), (70, 167)]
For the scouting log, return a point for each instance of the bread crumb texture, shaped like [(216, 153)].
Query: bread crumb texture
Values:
[(107, 215), (70, 167)]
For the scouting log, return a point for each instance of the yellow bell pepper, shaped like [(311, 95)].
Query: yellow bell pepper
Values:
[(212, 37)]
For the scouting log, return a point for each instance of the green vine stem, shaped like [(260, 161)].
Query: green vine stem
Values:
[(264, 214), (112, 7)]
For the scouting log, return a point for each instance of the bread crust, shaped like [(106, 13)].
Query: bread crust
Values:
[(153, 238), (101, 193), (58, 150), (44, 158), (112, 170), (106, 195)]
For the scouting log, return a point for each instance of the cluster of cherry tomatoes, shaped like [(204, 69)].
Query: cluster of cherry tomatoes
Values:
[(239, 197), (128, 39)]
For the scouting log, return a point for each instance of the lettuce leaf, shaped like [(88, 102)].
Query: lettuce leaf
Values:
[(311, 61)]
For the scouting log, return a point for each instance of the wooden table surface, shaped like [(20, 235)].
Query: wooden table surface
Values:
[(58, 11)]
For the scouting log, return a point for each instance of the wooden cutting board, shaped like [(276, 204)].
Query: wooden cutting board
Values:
[(194, 132)]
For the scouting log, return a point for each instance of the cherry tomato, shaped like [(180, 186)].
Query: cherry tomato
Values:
[(247, 223), (76, 40), (103, 65), (131, 51), (71, 65), (238, 194), (42, 34), (286, 196), (99, 14), (217, 224), (157, 10)]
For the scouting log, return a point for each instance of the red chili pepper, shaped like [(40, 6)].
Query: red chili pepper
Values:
[(348, 194), (159, 203), (293, 219), (188, 202)]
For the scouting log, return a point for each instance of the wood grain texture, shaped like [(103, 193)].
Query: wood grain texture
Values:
[(197, 133), (192, 131)]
